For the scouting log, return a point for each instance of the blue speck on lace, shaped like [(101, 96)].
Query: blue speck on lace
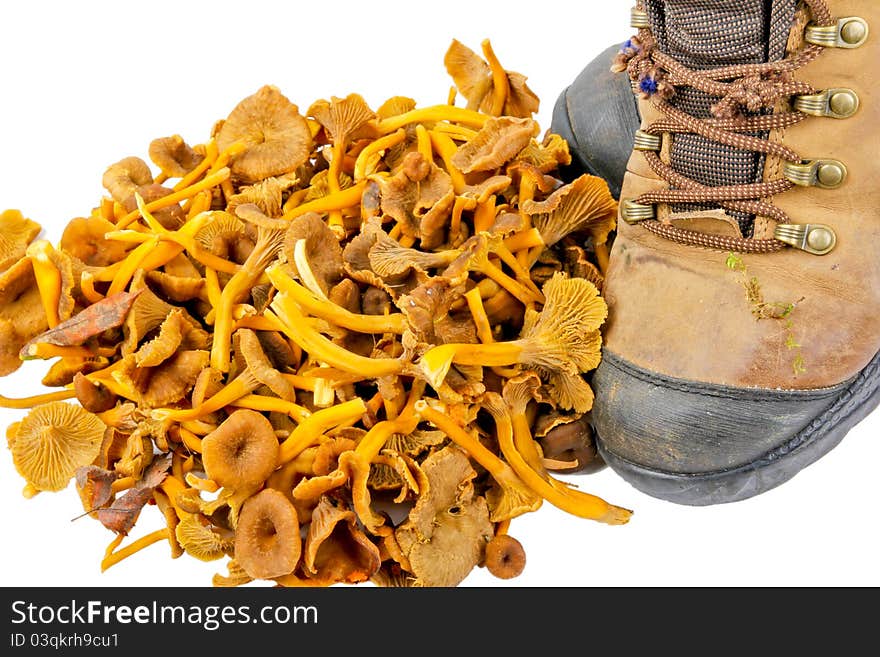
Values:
[(648, 85)]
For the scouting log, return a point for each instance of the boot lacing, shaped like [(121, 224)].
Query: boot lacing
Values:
[(741, 88)]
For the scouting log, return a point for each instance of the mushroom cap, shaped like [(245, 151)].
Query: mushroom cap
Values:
[(447, 529), (505, 557), (265, 194), (583, 204), (322, 250), (166, 383), (420, 197), (22, 316), (395, 106), (496, 143), (276, 136), (336, 549), (471, 75), (52, 441), (174, 157), (125, 177), (473, 78), (547, 156), (83, 238), (267, 538), (16, 232), (250, 350), (223, 236), (342, 117), (241, 453)]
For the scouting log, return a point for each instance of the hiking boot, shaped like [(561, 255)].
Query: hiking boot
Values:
[(743, 283)]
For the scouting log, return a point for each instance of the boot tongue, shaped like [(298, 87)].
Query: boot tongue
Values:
[(705, 34)]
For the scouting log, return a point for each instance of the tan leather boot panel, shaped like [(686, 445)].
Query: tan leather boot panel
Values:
[(682, 311)]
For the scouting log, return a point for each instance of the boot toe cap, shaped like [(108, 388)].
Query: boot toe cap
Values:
[(699, 444)]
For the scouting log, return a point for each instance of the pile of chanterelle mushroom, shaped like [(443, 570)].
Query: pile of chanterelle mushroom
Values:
[(333, 347)]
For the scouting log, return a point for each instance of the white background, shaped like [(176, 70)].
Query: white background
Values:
[(85, 84)]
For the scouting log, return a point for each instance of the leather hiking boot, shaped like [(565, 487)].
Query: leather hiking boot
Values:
[(743, 282)]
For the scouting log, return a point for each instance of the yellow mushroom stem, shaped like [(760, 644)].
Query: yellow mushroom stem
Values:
[(431, 114), (460, 204), (201, 483), (242, 385), (524, 441), (454, 131), (423, 143), (133, 261), (320, 348), (201, 202), (295, 199), (500, 471), (115, 543), (304, 269), (145, 541), (521, 273), (346, 198), (87, 286), (437, 360), (275, 404), (524, 239), (335, 314), (48, 279), (46, 350), (442, 143), (373, 152), (478, 313), (500, 83), (212, 286), (522, 293), (313, 427), (35, 400), (183, 238), (211, 154), (602, 255), (577, 503), (166, 201), (190, 440), (527, 186), (238, 286), (502, 527), (406, 422), (484, 215)]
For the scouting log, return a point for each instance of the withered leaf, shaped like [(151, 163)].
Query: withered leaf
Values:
[(121, 516), (106, 314), (95, 486)]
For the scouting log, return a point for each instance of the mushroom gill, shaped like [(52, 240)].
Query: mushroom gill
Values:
[(583, 204), (16, 232), (52, 441)]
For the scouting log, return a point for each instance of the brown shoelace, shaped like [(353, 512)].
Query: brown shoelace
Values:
[(743, 87)]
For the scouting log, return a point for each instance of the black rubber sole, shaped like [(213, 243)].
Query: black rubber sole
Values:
[(770, 470)]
